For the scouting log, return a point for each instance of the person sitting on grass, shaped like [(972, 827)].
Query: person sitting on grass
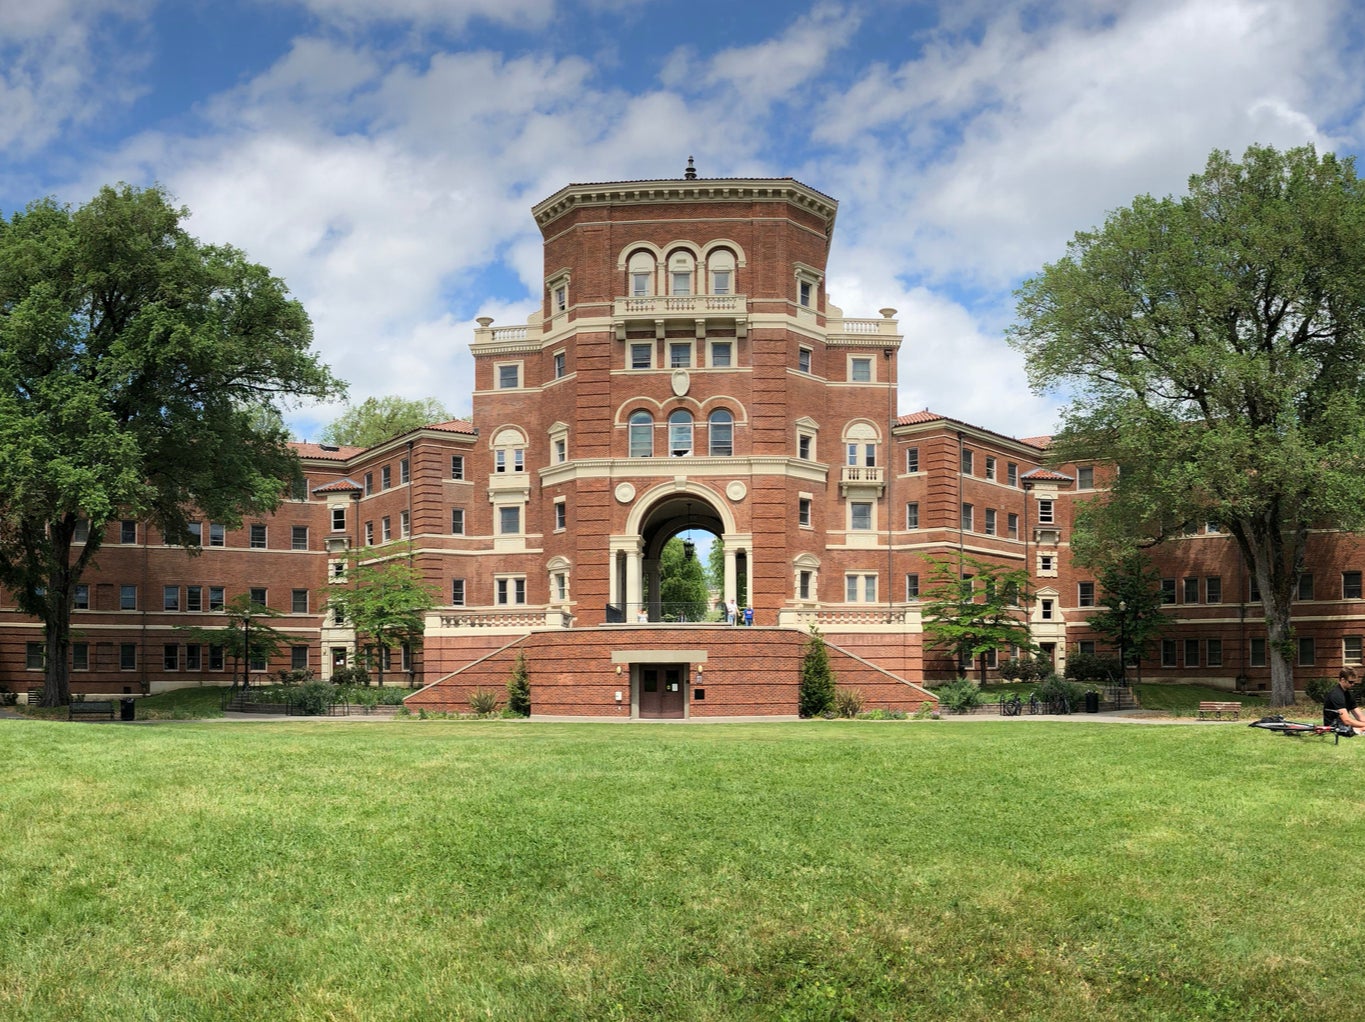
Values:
[(1339, 704)]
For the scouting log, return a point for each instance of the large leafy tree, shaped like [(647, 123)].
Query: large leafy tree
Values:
[(135, 364), (971, 607), (1213, 346), (1130, 598), (377, 419), (384, 597), (682, 583)]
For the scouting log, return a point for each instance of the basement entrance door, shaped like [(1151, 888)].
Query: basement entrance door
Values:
[(662, 692)]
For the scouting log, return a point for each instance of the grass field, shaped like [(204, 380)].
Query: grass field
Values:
[(822, 870)]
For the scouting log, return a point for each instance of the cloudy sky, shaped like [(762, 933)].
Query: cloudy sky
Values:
[(382, 157)]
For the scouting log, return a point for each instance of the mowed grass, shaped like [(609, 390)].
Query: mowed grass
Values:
[(822, 870)]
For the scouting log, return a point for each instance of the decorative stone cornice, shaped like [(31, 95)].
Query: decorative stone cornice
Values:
[(672, 191)]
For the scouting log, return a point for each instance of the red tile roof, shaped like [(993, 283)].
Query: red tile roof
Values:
[(338, 486)]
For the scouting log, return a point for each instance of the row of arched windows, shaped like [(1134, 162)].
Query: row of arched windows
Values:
[(720, 434), (681, 272)]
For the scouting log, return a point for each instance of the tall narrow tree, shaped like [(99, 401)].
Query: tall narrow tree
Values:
[(135, 365)]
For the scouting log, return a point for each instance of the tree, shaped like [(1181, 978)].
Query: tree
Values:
[(816, 694), (972, 607), (245, 638), (1213, 346), (384, 597), (519, 687), (135, 365), (376, 419), (1130, 592), (682, 583)]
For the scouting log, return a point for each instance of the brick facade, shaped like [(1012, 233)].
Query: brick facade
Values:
[(686, 371)]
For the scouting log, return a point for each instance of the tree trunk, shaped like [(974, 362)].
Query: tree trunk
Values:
[(1274, 557), (1280, 650), (57, 644)]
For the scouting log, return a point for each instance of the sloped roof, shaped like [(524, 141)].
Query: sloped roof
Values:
[(1046, 475), (918, 418), (324, 452), (339, 486)]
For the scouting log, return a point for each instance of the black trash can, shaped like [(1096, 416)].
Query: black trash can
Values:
[(1092, 702), (127, 709)]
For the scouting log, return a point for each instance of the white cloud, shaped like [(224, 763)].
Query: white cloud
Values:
[(451, 14)]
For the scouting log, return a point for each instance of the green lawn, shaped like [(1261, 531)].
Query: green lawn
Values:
[(822, 870)]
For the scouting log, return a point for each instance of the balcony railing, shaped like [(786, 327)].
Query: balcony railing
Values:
[(862, 478), (654, 306)]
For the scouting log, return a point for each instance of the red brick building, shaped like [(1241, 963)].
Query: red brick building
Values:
[(687, 371)]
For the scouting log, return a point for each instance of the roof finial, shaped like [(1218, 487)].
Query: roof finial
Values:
[(691, 173)]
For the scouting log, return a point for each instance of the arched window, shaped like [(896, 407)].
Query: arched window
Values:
[(681, 267), (640, 274), (679, 434), (641, 435), (721, 266), (722, 434)]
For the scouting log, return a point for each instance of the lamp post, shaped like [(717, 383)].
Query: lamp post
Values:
[(1123, 643)]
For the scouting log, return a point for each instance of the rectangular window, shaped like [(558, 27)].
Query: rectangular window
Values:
[(1012, 526), (805, 444), (127, 531), (298, 658), (509, 591), (170, 597), (1085, 594), (298, 601), (298, 537), (194, 599), (1258, 652), (369, 483), (911, 459), (990, 521), (457, 592), (1191, 652), (404, 471), (257, 597), (215, 658), (457, 466), (82, 532), (127, 597), (860, 515), (298, 488), (680, 355), (803, 357), (803, 509), (1254, 593), (912, 515), (1351, 651), (35, 657), (193, 657), (641, 356), (369, 533), (127, 656), (1045, 609), (385, 529), (1350, 585), (1045, 512), (170, 657), (1085, 478), (217, 534), (338, 519), (639, 285), (1012, 474), (720, 354), (385, 477), (1212, 527), (561, 298), (561, 516), (509, 374), (803, 293), (860, 588), (457, 521), (1306, 650), (682, 283), (1215, 653), (1168, 653), (966, 462), (404, 523), (561, 450), (82, 600), (1044, 562), (803, 580), (860, 370), (990, 468), (80, 656), (257, 536), (1213, 589), (216, 598), (561, 581), (194, 533), (1191, 590), (509, 521), (912, 586), (561, 364), (720, 282), (968, 517), (1306, 586), (1168, 591)]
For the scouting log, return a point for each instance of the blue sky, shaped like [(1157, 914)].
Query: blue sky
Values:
[(383, 157)]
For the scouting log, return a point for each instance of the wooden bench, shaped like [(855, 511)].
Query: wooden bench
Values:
[(1213, 706), (94, 708)]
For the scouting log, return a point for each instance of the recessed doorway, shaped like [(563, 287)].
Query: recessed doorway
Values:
[(663, 691)]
